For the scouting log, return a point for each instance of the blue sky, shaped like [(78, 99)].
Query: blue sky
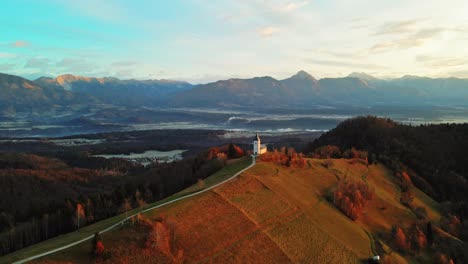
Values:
[(202, 41)]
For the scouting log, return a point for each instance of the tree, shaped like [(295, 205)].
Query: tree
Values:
[(201, 184), (89, 211), (97, 246), (451, 224), (139, 199), (429, 233), (351, 198), (400, 239), (79, 215), (125, 207), (419, 241), (232, 153)]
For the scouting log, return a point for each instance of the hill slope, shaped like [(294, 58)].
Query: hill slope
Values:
[(269, 214)]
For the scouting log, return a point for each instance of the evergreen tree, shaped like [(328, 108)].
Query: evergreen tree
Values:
[(429, 234)]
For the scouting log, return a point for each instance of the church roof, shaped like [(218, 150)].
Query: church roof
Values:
[(257, 137)]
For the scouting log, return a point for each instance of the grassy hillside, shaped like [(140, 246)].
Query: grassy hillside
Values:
[(269, 214)]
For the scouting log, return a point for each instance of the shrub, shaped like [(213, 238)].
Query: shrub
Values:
[(406, 198), (328, 163), (420, 212), (327, 152), (286, 157), (97, 246), (451, 224)]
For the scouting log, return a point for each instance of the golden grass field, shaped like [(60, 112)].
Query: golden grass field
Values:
[(273, 214)]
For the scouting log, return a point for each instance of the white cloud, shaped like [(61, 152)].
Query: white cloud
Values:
[(20, 44), (295, 5), (7, 66), (266, 32), (432, 61), (399, 27), (37, 63), (6, 55)]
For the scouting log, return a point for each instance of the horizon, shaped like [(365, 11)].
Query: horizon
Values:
[(200, 42), (242, 78)]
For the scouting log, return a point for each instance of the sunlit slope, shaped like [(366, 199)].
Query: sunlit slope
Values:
[(275, 214)]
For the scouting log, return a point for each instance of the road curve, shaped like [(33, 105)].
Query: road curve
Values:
[(133, 215)]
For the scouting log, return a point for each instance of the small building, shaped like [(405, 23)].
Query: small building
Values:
[(258, 148), (374, 260)]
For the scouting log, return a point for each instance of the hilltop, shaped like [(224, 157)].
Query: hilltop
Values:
[(272, 214)]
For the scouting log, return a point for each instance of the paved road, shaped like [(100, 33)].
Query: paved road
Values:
[(129, 217)]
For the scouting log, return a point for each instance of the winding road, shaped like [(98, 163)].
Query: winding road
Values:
[(133, 215)]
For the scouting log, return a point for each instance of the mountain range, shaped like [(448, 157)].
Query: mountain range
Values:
[(300, 90)]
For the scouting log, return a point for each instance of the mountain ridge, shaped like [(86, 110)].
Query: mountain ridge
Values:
[(299, 90)]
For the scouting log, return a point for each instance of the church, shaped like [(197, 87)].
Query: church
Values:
[(258, 148)]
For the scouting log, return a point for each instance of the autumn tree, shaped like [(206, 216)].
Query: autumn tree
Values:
[(89, 211), (418, 239), (79, 215), (442, 259), (399, 239), (327, 152), (97, 246), (125, 207), (351, 197), (285, 157), (139, 200), (201, 184)]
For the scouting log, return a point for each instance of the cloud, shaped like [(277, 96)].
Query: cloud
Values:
[(37, 63), (124, 63), (459, 74), (20, 44), (399, 27), (266, 32), (335, 53), (416, 39), (295, 5), (432, 61), (6, 55), (74, 65), (345, 64), (7, 66)]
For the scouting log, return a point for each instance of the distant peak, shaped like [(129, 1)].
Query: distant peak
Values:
[(44, 78), (303, 75), (362, 75), (411, 77)]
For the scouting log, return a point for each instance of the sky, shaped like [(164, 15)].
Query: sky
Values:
[(204, 40)]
